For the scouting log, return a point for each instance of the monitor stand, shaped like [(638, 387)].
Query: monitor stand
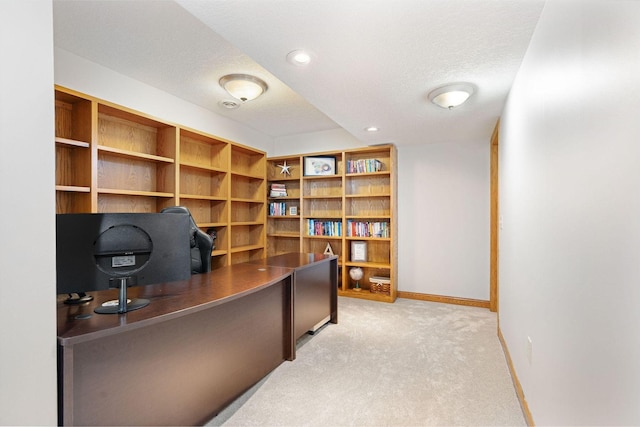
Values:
[(124, 304)]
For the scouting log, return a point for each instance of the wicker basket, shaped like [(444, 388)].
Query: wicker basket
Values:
[(380, 288), (380, 285)]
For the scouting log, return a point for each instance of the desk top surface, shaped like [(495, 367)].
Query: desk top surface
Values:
[(168, 300)]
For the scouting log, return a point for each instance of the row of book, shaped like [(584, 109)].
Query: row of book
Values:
[(277, 208), (316, 227), (368, 229), (364, 166), (278, 190)]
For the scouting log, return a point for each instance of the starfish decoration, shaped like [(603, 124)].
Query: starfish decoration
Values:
[(285, 168)]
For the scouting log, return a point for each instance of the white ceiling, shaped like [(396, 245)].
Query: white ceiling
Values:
[(374, 63)]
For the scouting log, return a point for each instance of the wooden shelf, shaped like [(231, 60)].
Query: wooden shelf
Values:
[(73, 188), (284, 235), (246, 248), (133, 192), (133, 154), (200, 197), (201, 167), (72, 142)]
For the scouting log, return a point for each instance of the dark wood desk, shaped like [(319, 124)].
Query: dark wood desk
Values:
[(315, 284), (191, 352)]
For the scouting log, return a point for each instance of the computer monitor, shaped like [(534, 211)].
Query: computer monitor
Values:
[(117, 250)]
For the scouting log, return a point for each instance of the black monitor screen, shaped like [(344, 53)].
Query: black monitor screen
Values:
[(101, 251)]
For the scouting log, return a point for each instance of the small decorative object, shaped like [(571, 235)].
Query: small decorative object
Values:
[(358, 251), (356, 274), (293, 210), (328, 250), (319, 165), (285, 168)]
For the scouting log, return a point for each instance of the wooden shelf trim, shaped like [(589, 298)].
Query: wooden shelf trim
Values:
[(200, 197), (284, 235), (367, 196), (134, 192), (246, 248), (135, 155), (247, 223), (247, 175), (368, 264), (377, 239), (349, 175), (339, 196), (211, 224), (73, 188), (242, 200), (71, 142), (306, 236), (201, 167)]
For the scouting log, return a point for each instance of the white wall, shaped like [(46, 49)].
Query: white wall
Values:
[(570, 199), (443, 219), (443, 212), (27, 293), (84, 76), (330, 140)]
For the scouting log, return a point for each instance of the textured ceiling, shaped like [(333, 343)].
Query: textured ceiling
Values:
[(374, 61)]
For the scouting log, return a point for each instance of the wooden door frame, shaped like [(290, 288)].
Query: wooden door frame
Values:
[(494, 221)]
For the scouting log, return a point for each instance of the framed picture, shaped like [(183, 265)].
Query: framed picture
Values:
[(293, 210), (319, 165), (358, 251)]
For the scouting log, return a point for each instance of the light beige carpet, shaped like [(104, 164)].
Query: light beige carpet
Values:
[(411, 363)]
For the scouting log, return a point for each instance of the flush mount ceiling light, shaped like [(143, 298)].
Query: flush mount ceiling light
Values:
[(299, 57), (372, 129), (451, 96), (243, 86)]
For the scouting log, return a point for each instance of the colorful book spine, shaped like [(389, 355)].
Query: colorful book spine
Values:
[(316, 227), (364, 166), (368, 229)]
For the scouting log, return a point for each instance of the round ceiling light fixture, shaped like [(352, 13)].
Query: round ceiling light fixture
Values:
[(243, 86), (372, 129), (452, 95), (299, 57)]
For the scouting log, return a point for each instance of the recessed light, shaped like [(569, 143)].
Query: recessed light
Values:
[(372, 129), (299, 57), (229, 104)]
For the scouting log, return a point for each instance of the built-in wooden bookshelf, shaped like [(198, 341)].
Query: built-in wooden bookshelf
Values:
[(73, 139), (283, 224), (357, 203), (247, 204), (113, 159)]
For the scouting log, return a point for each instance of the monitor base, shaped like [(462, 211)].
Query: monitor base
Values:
[(131, 305)]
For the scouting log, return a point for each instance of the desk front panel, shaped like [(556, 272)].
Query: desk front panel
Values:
[(181, 371)]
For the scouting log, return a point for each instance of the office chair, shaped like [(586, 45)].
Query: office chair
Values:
[(201, 243)]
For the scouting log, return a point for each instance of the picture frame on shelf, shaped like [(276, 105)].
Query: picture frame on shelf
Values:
[(293, 210), (358, 251), (319, 165)]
